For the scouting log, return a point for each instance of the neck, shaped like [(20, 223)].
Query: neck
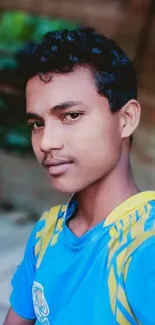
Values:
[(99, 199)]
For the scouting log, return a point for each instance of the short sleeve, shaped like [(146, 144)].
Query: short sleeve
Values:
[(140, 283), (22, 281)]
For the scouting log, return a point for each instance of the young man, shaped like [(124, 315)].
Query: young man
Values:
[(92, 261)]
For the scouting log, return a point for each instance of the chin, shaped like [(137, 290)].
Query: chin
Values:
[(62, 186), (66, 185)]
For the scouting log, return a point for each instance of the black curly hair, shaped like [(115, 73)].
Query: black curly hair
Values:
[(64, 50)]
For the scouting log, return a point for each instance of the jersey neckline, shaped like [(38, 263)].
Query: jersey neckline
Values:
[(102, 227)]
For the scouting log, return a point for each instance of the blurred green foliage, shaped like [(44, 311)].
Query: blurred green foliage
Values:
[(18, 30)]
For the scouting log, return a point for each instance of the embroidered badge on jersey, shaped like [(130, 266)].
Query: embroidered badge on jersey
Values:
[(40, 304)]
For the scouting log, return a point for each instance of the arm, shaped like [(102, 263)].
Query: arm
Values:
[(13, 319), (21, 297), (140, 283)]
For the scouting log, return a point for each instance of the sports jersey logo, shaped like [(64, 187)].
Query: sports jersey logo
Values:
[(40, 304)]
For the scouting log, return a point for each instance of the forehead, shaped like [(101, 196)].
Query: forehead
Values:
[(76, 85)]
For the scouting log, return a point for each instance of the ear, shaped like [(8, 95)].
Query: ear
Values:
[(129, 118)]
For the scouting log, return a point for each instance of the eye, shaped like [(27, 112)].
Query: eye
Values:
[(35, 125), (71, 116)]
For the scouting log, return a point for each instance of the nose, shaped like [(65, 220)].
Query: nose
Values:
[(52, 139)]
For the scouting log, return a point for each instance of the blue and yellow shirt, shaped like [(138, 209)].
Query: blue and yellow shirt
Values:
[(107, 276)]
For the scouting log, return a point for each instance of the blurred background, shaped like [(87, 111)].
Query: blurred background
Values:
[(25, 191)]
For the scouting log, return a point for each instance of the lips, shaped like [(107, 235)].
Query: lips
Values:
[(57, 166)]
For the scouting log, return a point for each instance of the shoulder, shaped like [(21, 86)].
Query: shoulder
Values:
[(45, 228), (49, 219), (142, 230)]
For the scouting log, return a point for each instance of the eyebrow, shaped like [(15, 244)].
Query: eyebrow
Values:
[(61, 106), (32, 116), (65, 105)]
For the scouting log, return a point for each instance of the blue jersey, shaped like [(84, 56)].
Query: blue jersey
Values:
[(107, 276)]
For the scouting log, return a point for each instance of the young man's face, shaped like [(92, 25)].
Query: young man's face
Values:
[(74, 134)]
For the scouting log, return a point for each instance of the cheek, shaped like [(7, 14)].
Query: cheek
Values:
[(36, 147), (96, 141)]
